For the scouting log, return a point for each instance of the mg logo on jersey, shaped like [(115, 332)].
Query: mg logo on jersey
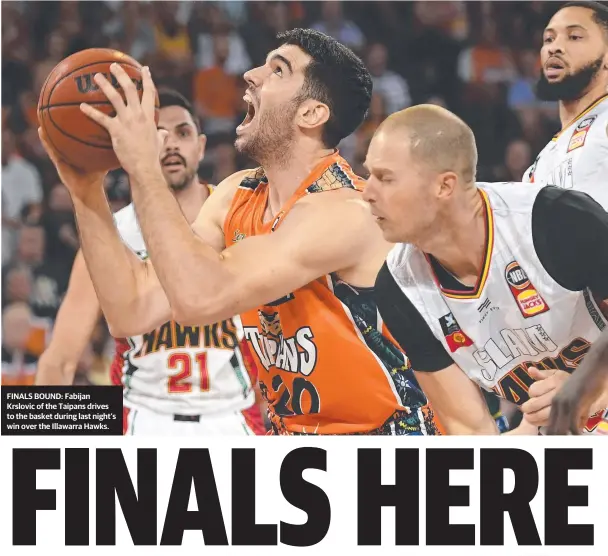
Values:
[(296, 354), (528, 299)]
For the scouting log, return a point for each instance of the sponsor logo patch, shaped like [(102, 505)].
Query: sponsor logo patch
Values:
[(529, 301), (580, 133)]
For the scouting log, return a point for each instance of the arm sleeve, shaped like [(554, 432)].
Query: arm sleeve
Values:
[(570, 234), (425, 352)]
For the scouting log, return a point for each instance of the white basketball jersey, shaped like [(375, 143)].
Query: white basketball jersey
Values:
[(577, 157), (517, 316), (186, 370)]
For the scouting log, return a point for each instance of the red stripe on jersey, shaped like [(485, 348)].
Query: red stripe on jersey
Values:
[(122, 347), (255, 420), (249, 362)]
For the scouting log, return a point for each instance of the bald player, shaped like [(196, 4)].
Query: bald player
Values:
[(574, 72), (489, 285), (290, 246)]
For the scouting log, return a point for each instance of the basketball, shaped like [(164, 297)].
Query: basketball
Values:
[(76, 138)]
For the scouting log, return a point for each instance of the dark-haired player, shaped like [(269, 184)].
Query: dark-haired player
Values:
[(177, 380), (290, 246), (574, 72)]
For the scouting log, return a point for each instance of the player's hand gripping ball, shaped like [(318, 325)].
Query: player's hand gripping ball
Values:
[(75, 138)]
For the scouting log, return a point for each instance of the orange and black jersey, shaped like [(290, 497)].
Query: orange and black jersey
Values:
[(327, 364)]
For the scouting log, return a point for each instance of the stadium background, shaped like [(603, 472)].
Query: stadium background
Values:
[(478, 59)]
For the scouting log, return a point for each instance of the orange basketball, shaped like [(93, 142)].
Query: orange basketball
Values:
[(76, 138)]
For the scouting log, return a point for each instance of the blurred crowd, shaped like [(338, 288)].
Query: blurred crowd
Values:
[(478, 59)]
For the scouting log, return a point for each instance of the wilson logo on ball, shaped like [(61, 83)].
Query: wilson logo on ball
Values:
[(86, 84)]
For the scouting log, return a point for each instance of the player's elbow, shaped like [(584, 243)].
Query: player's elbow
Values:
[(201, 312)]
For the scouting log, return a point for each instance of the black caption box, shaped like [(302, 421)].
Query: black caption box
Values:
[(62, 410)]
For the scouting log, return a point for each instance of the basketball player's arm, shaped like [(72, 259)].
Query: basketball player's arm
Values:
[(204, 286), (76, 320), (570, 233)]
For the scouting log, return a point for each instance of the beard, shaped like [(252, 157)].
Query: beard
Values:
[(571, 87), (180, 182), (273, 137)]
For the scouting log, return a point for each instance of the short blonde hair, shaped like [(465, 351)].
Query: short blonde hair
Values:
[(437, 138)]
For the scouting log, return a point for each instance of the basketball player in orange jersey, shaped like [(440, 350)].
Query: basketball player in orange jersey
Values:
[(160, 396), (290, 246)]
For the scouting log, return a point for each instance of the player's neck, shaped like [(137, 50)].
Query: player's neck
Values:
[(459, 242), (191, 199), (284, 179), (570, 110)]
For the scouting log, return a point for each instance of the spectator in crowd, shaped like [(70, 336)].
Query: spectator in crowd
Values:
[(216, 92), (224, 159), (486, 61), (20, 187), (334, 24), (215, 21), (19, 352), (517, 160), (16, 285), (392, 86), (48, 284)]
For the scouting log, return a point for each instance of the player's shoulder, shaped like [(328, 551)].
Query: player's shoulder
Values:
[(238, 179)]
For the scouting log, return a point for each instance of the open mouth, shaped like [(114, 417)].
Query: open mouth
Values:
[(173, 162), (250, 113), (554, 68)]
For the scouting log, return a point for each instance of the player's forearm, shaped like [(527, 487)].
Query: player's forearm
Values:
[(53, 371), (190, 271), (114, 270)]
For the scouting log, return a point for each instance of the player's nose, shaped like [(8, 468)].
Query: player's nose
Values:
[(254, 76)]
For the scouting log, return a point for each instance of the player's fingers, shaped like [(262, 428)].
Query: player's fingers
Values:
[(97, 116), (111, 93), (126, 85), (148, 99), (541, 387), (539, 418), (538, 374), (538, 402)]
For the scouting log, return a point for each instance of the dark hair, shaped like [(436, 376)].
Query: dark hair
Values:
[(600, 12), (336, 77), (170, 97)]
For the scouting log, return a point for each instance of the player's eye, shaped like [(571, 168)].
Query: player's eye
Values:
[(575, 37), (278, 70)]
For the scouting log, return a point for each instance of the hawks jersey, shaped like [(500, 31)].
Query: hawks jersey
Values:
[(187, 370), (577, 157), (326, 364), (516, 316)]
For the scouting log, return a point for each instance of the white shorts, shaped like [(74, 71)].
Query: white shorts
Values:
[(145, 422)]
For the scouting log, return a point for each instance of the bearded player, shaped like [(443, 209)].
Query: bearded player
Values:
[(180, 380), (574, 59), (291, 246)]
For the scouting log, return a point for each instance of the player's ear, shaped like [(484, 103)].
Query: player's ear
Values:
[(312, 113), (447, 181), (202, 143)]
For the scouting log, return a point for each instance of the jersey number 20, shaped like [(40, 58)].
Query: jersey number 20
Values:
[(181, 382)]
